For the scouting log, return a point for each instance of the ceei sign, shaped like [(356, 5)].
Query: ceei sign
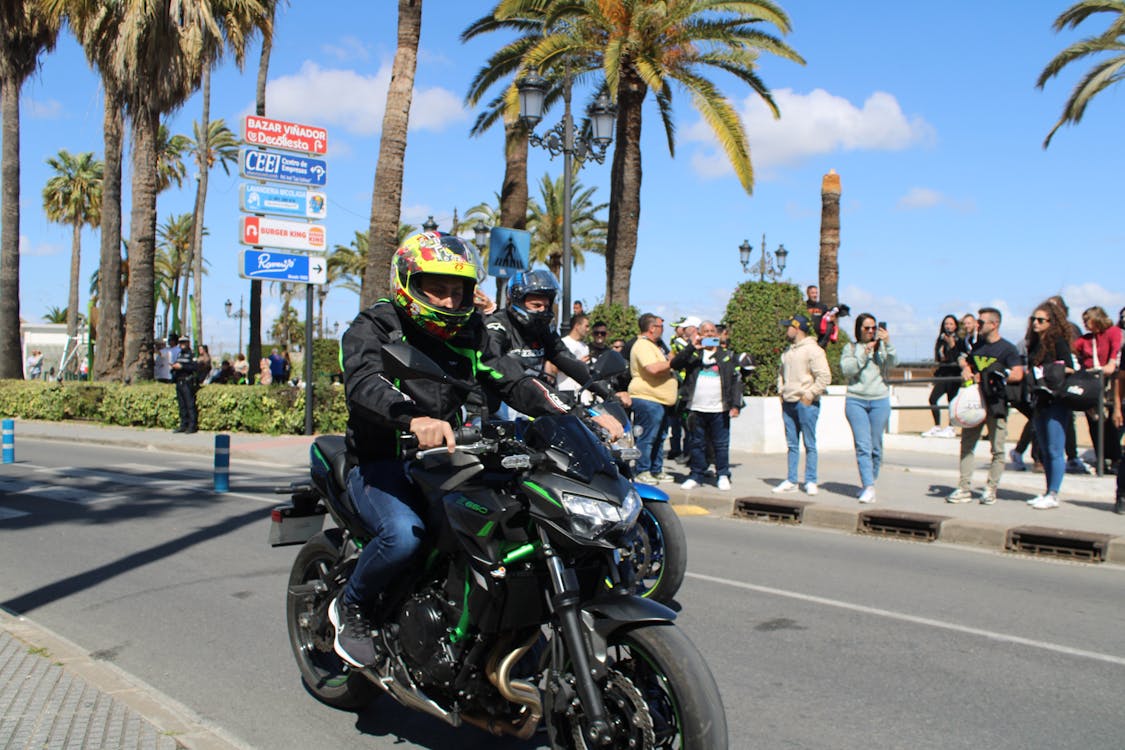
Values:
[(262, 231), (290, 136)]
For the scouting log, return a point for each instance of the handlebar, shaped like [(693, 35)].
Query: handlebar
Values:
[(464, 437)]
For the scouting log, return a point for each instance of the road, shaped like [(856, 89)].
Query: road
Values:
[(817, 639)]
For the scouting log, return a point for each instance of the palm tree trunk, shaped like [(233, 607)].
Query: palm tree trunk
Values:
[(829, 276), (255, 342), (624, 191), (196, 253), (11, 357), (513, 193), (142, 250), (108, 354), (386, 198), (72, 298)]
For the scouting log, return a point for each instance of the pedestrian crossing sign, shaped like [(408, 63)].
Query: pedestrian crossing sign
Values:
[(508, 251)]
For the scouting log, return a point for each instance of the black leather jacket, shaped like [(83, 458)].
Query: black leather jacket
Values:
[(378, 409), (690, 361), (186, 362)]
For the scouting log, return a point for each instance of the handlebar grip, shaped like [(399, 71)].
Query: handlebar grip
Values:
[(408, 442)]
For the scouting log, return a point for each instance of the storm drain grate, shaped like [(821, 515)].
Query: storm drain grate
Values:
[(1072, 545), (918, 526), (770, 510)]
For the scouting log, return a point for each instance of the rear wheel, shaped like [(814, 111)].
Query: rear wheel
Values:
[(659, 695), (659, 552), (311, 589)]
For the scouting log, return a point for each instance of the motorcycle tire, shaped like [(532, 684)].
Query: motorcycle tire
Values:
[(654, 667), (659, 552), (328, 677)]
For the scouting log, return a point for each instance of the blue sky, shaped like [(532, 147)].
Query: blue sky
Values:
[(928, 111)]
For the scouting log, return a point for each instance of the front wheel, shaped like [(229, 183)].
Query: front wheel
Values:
[(659, 695), (311, 589), (659, 552)]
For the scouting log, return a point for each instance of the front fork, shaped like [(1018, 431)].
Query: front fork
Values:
[(565, 604)]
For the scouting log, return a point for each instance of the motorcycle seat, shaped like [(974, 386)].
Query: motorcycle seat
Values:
[(335, 451)]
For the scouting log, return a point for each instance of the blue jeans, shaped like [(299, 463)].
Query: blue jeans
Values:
[(800, 422), (653, 421), (868, 418), (391, 508), (709, 428), (1050, 430)]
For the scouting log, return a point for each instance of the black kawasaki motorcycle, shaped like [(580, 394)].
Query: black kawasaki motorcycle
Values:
[(521, 612)]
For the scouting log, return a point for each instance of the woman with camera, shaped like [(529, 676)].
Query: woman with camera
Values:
[(946, 349), (866, 364)]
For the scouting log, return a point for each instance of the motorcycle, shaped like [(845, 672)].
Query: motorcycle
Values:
[(521, 612)]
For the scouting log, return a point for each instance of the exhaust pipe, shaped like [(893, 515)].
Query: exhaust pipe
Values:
[(520, 692)]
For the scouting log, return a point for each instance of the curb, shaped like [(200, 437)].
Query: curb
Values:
[(170, 717), (1021, 539)]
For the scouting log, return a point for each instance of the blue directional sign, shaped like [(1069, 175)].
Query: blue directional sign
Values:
[(508, 251), (275, 266), (257, 164), (282, 200)]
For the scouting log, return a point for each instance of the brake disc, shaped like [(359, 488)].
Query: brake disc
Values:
[(627, 713)]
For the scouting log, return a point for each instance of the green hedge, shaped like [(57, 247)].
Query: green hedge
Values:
[(222, 408), (621, 321)]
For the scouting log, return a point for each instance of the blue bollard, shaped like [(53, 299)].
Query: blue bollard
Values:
[(222, 463), (9, 441)]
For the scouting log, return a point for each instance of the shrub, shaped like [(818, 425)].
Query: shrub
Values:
[(621, 321), (326, 360), (752, 317)]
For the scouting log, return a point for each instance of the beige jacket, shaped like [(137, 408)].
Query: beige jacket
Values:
[(804, 371)]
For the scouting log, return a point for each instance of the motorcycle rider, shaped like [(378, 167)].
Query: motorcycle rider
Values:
[(433, 277), (524, 331)]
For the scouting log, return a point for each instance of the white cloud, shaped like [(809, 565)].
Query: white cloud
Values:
[(1080, 296), (350, 49), (812, 124), (40, 250), (355, 102), (921, 197), (51, 109)]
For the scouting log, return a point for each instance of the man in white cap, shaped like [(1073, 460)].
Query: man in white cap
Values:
[(679, 439)]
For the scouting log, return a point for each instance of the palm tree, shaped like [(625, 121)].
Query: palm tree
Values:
[(1105, 73), (546, 224), (386, 197), (56, 315), (171, 269), (640, 46), (170, 166), (25, 34), (74, 196)]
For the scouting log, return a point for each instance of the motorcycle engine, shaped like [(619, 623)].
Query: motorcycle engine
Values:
[(423, 638)]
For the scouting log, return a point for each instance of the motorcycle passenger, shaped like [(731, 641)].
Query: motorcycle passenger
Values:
[(433, 277), (524, 331)]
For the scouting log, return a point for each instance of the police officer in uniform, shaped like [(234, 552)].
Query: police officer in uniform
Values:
[(183, 375)]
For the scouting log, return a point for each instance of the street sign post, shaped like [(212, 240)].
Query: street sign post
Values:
[(291, 268), (290, 136), (262, 231), (282, 200), (257, 164), (508, 251)]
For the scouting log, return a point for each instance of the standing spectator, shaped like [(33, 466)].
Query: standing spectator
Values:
[(241, 369), (35, 365), (946, 351), (277, 366), (164, 357), (1119, 424), (1099, 349), (712, 395), (969, 333), (868, 405), (599, 344), (1020, 398), (573, 341), (653, 390), (183, 372), (1074, 464), (286, 366), (724, 335), (1049, 342), (992, 363), (804, 377), (203, 365), (265, 372), (679, 439)]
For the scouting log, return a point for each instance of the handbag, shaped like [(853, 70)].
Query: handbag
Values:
[(967, 407), (1080, 390)]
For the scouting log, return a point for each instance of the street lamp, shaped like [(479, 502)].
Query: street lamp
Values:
[(239, 315), (429, 225), (562, 139), (780, 255)]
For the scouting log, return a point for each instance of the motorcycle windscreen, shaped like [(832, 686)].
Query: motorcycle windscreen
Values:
[(575, 450)]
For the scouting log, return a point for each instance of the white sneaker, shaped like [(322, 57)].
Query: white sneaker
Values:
[(868, 495), (689, 484), (811, 488), (785, 486), (1046, 502), (724, 483), (948, 432), (934, 431), (960, 495), (988, 496)]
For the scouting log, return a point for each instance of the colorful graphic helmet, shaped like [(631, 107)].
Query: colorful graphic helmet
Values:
[(437, 254), (524, 283)]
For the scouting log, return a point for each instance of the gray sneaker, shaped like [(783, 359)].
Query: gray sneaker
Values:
[(662, 477), (354, 642), (988, 497), (960, 495)]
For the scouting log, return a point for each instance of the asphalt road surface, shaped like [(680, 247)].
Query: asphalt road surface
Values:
[(817, 639)]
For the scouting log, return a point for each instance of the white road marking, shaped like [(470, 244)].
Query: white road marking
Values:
[(928, 622)]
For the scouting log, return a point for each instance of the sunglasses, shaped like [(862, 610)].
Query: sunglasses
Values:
[(1038, 319), (600, 333), (867, 328)]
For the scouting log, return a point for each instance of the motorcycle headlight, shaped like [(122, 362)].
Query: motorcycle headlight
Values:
[(593, 518)]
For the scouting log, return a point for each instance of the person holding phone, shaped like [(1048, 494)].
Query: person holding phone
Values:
[(946, 350), (866, 364), (712, 394)]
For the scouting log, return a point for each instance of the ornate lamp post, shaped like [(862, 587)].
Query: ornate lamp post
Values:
[(562, 139), (780, 255), (240, 314), (429, 225)]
